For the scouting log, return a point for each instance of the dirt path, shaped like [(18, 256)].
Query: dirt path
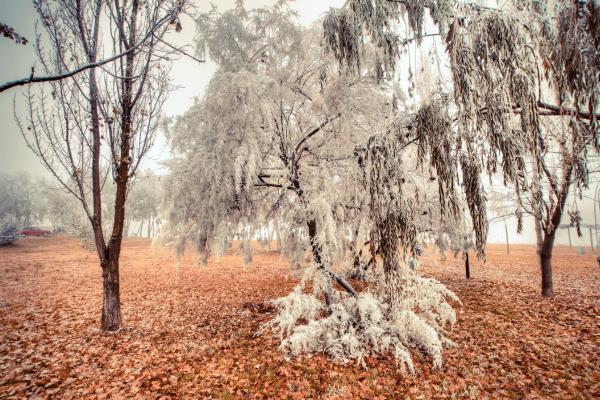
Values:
[(189, 332)]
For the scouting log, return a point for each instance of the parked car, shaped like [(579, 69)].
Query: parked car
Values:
[(34, 231), (8, 234)]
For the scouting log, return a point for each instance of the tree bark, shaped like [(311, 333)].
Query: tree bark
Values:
[(539, 237), (551, 227), (546, 264), (467, 266), (111, 301), (316, 252)]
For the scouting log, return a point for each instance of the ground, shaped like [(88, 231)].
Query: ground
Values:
[(190, 332)]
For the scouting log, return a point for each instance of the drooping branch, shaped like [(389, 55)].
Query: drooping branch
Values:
[(556, 110)]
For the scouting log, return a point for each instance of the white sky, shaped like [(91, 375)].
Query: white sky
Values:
[(191, 79)]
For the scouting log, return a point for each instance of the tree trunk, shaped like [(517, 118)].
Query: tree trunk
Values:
[(507, 243), (539, 237), (467, 266), (278, 234), (546, 264), (316, 252), (111, 302)]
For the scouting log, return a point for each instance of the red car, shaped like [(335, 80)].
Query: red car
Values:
[(33, 231)]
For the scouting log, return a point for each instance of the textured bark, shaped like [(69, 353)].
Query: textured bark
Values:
[(551, 226), (546, 264), (111, 301)]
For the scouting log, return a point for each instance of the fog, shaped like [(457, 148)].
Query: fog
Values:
[(190, 79)]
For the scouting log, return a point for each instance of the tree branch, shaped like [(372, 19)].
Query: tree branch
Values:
[(68, 74)]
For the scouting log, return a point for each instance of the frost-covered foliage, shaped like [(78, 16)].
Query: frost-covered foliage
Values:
[(507, 65), (273, 137), (143, 201), (354, 327), (285, 139), (21, 200), (66, 215)]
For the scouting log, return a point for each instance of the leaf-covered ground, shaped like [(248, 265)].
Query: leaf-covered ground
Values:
[(189, 331)]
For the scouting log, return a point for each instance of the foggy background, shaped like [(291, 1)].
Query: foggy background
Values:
[(191, 79)]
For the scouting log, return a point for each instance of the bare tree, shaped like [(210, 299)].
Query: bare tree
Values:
[(94, 129)]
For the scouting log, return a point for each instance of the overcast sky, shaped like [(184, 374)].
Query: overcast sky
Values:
[(190, 77)]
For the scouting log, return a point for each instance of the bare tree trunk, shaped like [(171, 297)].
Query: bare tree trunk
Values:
[(546, 264), (550, 233), (111, 301), (111, 309), (467, 266), (506, 233)]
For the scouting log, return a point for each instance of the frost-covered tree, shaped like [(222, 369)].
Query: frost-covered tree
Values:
[(143, 201), (512, 68), (280, 131), (22, 201)]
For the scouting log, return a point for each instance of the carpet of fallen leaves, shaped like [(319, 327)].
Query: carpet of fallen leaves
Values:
[(189, 331)]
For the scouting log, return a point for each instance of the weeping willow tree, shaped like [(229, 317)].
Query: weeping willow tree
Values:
[(524, 95), (281, 134)]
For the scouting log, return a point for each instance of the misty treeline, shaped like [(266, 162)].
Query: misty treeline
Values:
[(28, 200), (360, 140)]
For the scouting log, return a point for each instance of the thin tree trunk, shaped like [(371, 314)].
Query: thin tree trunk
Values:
[(467, 266), (506, 232)]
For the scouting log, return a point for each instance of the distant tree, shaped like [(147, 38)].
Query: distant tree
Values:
[(22, 201), (143, 202), (108, 114)]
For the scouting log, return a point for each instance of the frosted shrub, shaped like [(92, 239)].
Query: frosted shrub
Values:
[(293, 308), (370, 323)]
